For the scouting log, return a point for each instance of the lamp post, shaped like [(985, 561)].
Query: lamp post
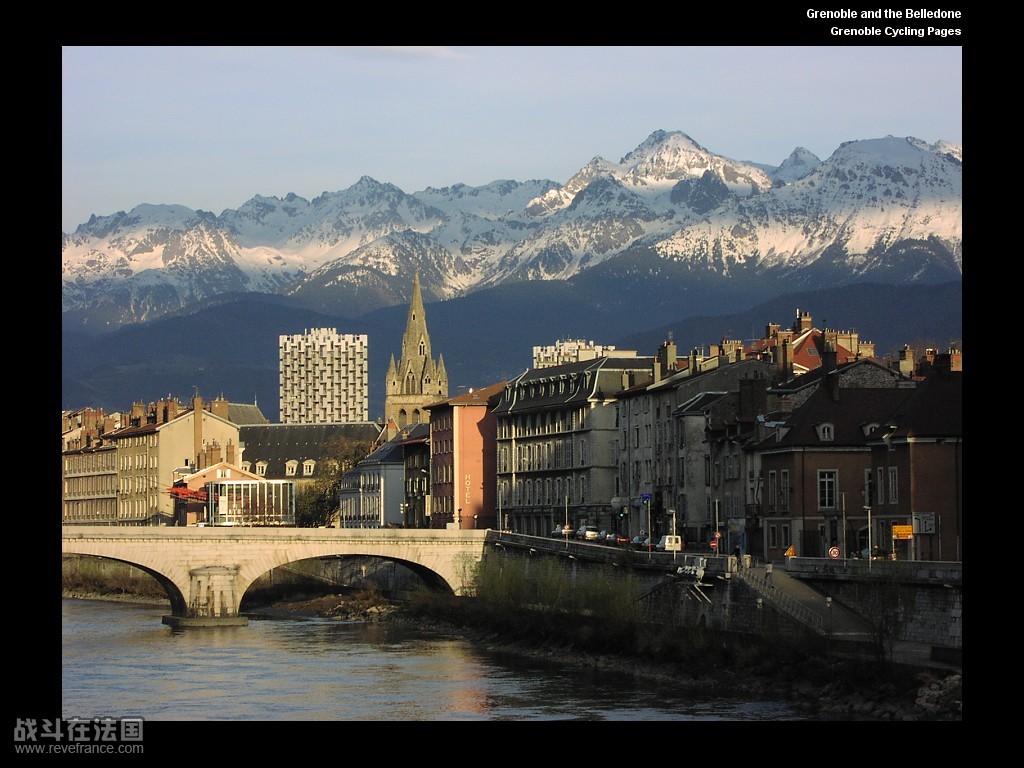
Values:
[(871, 550), (673, 511), (565, 529), (843, 499)]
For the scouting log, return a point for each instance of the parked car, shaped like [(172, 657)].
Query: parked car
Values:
[(588, 533), (617, 539), (641, 542), (562, 530)]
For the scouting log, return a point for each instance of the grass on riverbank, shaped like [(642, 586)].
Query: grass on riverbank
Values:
[(96, 576)]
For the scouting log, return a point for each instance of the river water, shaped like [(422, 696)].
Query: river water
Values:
[(120, 661)]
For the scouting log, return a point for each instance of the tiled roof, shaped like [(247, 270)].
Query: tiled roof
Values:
[(575, 382), (277, 444), (698, 403), (244, 413), (473, 397), (933, 409), (848, 416)]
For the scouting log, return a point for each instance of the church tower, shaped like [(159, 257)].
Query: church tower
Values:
[(416, 380)]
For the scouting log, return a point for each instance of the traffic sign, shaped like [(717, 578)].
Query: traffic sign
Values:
[(714, 543), (718, 534), (833, 552), (903, 531), (645, 497)]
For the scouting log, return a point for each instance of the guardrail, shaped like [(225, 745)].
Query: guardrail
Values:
[(793, 608)]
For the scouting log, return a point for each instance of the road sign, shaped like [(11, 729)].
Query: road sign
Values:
[(714, 544), (718, 534), (903, 531), (833, 552), (645, 497)]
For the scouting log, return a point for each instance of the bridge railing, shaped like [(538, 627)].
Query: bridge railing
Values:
[(779, 599)]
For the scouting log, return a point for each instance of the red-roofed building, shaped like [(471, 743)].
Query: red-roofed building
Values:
[(801, 347), (462, 459)]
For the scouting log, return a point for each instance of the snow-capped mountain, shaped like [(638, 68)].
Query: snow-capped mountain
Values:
[(889, 208)]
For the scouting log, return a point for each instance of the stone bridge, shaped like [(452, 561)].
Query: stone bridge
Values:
[(206, 571)]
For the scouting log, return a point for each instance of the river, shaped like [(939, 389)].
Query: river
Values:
[(120, 661)]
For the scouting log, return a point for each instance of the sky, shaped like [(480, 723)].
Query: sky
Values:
[(211, 127)]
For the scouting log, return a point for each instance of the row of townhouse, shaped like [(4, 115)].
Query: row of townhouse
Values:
[(214, 462), (123, 476), (775, 449)]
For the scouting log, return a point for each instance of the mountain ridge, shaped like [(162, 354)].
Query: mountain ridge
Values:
[(485, 337), (887, 208)]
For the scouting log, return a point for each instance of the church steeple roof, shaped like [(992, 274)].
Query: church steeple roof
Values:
[(416, 340), (416, 379)]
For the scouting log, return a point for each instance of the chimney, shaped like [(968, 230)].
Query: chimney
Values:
[(783, 359), (828, 356), (230, 454), (220, 407), (138, 414), (665, 361), (197, 425), (832, 382), (753, 396)]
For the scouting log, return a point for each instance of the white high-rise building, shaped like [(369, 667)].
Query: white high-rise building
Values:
[(323, 377), (574, 351)]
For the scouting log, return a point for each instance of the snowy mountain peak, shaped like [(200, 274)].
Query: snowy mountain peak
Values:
[(799, 163), (871, 202)]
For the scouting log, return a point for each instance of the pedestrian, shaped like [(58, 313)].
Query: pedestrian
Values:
[(736, 554)]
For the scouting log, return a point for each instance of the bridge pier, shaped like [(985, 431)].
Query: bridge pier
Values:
[(213, 599)]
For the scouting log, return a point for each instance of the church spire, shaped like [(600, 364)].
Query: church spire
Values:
[(416, 341), (416, 380)]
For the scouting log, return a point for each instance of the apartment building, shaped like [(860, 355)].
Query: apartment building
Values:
[(372, 493), (556, 437), (89, 485), (574, 351), (323, 377), (157, 448), (915, 475), (462, 444)]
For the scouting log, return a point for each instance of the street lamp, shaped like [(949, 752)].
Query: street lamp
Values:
[(871, 551), (673, 511)]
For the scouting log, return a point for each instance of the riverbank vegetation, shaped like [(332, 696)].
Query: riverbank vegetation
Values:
[(531, 608)]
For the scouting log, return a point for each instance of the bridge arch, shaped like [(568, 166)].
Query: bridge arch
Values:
[(211, 568)]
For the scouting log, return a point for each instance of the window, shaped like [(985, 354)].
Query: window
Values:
[(773, 501), (307, 467), (825, 432), (893, 486), (290, 467), (773, 537), (827, 488), (878, 486), (785, 489), (785, 536), (261, 468)]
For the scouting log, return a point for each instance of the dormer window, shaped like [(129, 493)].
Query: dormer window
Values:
[(307, 467), (261, 468), (291, 467), (826, 432), (869, 428)]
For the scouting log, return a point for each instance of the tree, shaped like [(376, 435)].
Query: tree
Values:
[(316, 503)]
